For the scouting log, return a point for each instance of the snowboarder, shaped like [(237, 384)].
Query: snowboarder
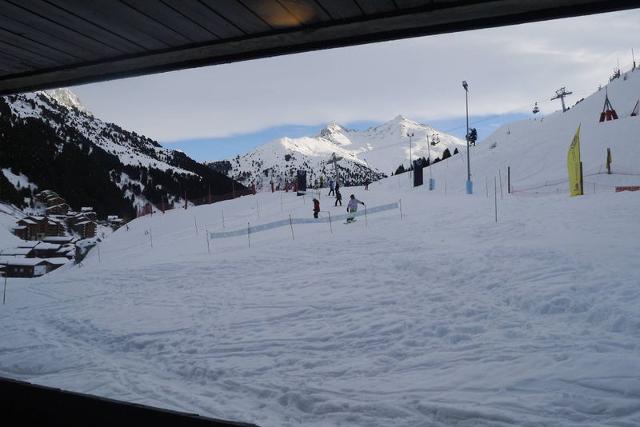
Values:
[(332, 185), (352, 208), (316, 208), (338, 198)]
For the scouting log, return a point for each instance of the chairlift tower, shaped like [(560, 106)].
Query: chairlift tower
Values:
[(561, 93)]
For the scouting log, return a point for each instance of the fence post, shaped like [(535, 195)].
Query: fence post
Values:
[(281, 202), (486, 186), (400, 201), (99, 258), (500, 175), (150, 237), (581, 181), (258, 207), (249, 233), (330, 226), (365, 217), (495, 198), (195, 223), (4, 294), (509, 179), (206, 230), (291, 225), (223, 218)]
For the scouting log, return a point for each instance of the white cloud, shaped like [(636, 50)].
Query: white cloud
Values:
[(508, 69)]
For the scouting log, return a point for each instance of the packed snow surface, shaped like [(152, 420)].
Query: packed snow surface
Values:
[(435, 315), (443, 317)]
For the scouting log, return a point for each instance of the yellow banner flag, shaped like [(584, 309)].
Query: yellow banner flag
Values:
[(573, 166)]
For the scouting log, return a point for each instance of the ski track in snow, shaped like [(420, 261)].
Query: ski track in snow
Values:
[(524, 322)]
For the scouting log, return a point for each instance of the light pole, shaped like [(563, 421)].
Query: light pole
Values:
[(432, 183), (466, 98), (410, 135)]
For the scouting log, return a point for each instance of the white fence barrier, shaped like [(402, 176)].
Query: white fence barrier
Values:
[(289, 221)]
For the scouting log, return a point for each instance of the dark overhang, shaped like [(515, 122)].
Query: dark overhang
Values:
[(53, 43), (25, 404)]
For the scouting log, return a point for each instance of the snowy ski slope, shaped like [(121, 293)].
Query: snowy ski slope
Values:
[(440, 317)]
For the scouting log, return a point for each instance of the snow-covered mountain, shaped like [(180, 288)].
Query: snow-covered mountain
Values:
[(49, 140), (67, 98), (368, 154)]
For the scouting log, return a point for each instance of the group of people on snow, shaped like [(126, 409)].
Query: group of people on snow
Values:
[(352, 206)]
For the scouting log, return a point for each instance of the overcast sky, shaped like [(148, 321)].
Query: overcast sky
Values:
[(508, 69)]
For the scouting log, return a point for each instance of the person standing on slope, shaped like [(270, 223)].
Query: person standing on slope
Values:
[(338, 198), (332, 188), (316, 208), (352, 207)]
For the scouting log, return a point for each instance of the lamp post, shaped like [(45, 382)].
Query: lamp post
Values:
[(410, 135), (466, 97), (432, 182)]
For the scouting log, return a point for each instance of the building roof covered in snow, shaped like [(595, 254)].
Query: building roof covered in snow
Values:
[(16, 251), (24, 262), (28, 244), (57, 239)]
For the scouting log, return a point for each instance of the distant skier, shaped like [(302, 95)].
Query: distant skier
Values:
[(332, 187), (338, 198), (366, 184), (352, 208), (316, 208)]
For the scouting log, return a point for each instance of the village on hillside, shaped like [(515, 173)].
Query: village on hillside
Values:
[(52, 235)]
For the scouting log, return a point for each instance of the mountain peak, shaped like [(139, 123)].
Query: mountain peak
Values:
[(331, 128), (67, 98)]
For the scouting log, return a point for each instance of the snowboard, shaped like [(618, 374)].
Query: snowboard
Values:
[(349, 222)]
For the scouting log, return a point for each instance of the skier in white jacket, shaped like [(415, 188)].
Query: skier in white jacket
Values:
[(352, 207)]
